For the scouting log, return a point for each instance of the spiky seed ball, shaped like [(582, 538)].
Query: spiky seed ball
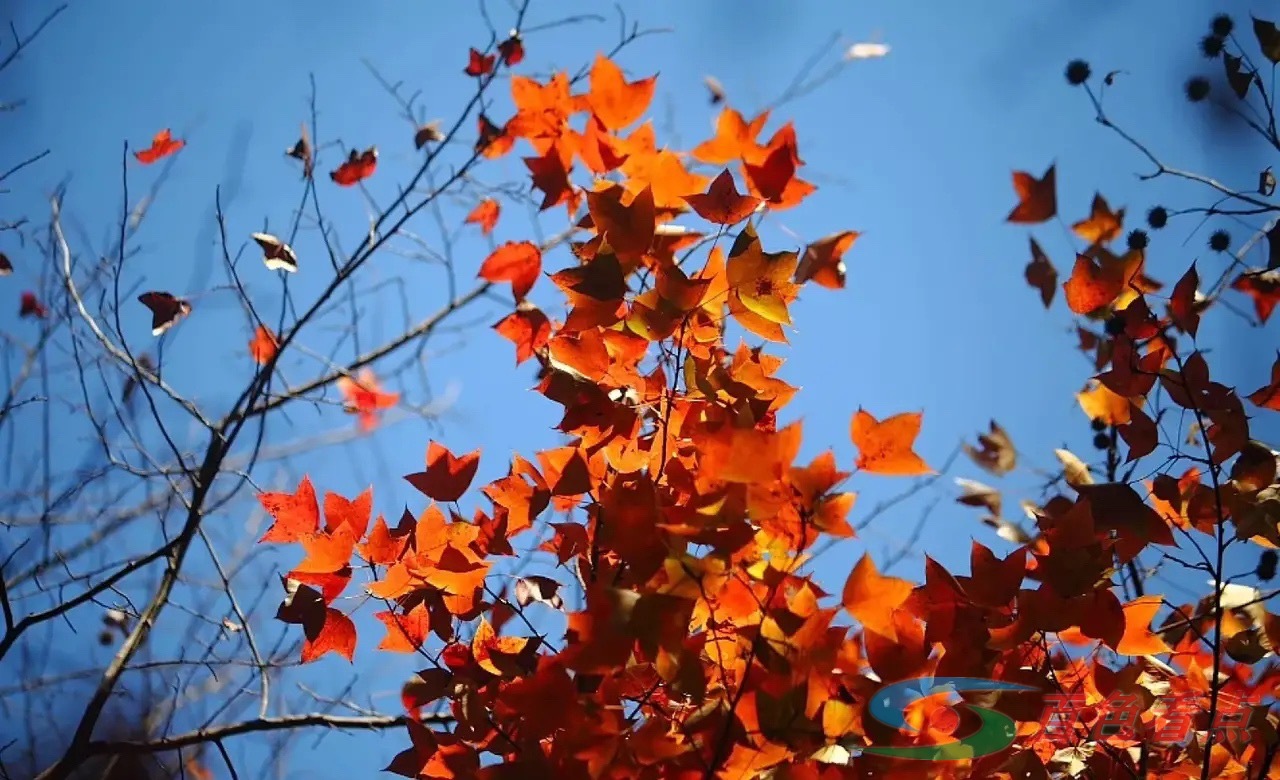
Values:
[(1267, 565), (1078, 72), (1137, 239), (1102, 441), (1197, 88), (1211, 46), (1098, 424), (1157, 217), (1222, 25), (1115, 325), (1220, 241)]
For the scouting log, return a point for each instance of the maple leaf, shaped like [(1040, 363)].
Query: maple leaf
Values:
[(492, 141), (29, 306), (1138, 637), (363, 396), (1101, 403), (761, 280), (325, 629), (517, 262), (872, 598), (512, 49), (1103, 225), (734, 138), (823, 260), (302, 152), (1268, 396), (550, 173), (615, 101), (885, 447), (485, 214), (427, 133), (263, 345), (6, 266), (276, 254), (771, 171), (722, 204), (528, 328), (356, 168), (1037, 198), (294, 515), (628, 228), (385, 546), (166, 310), (997, 455), (162, 145), (447, 476), (1263, 286), (1095, 285), (479, 64), (1041, 274), (405, 632)]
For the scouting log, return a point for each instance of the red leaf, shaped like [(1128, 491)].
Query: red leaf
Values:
[(528, 328), (485, 214), (358, 167), (1037, 198), (30, 306), (517, 262), (722, 204), (166, 310), (295, 514), (479, 64), (447, 476), (162, 145)]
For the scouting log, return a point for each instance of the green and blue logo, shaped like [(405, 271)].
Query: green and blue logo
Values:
[(996, 732)]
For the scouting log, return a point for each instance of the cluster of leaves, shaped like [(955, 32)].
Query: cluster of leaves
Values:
[(701, 647)]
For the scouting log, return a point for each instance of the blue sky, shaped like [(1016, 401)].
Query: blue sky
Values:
[(914, 150)]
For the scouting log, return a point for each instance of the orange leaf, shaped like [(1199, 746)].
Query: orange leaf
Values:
[(365, 397), (263, 346), (1103, 225), (886, 447), (823, 260), (295, 514), (327, 551), (734, 138), (1037, 198), (1091, 286), (1100, 403), (447, 476), (1138, 638), (405, 633), (722, 204), (485, 214), (162, 145), (872, 598), (493, 141), (526, 327), (615, 101), (517, 262)]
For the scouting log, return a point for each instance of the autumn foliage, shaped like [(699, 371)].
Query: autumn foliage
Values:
[(695, 643)]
